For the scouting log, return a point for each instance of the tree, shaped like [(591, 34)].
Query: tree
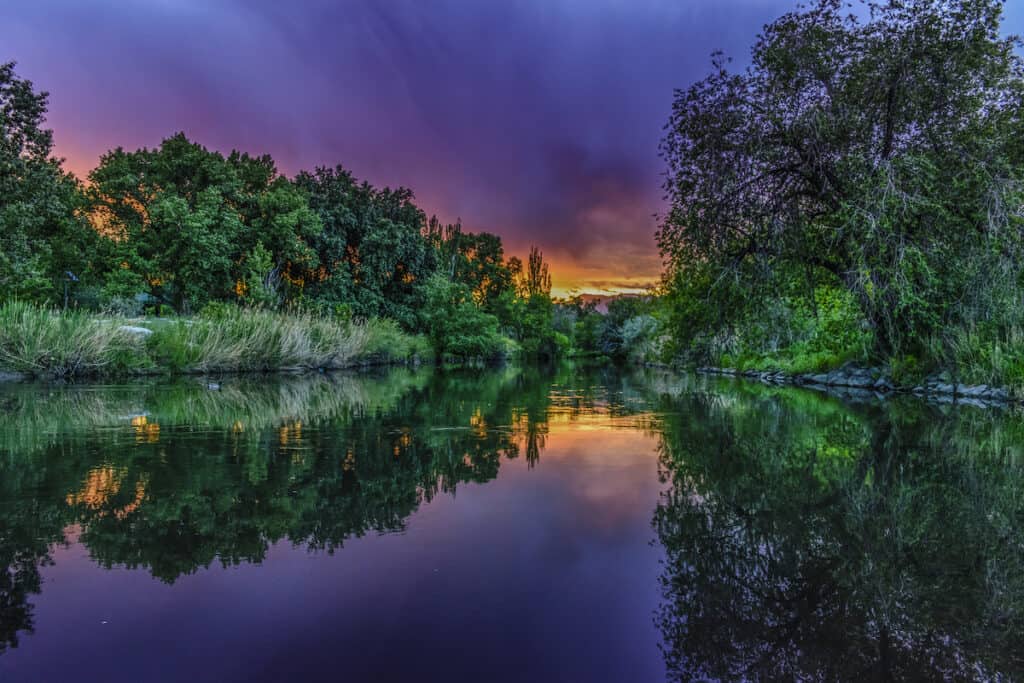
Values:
[(534, 311), (881, 153), (372, 250), (456, 325), (181, 219), (41, 237)]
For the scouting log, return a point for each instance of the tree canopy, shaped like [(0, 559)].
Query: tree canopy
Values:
[(879, 150), (179, 227)]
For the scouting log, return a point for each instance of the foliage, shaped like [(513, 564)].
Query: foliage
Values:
[(877, 153), (185, 222), (371, 250), (456, 326), (179, 227), (41, 235)]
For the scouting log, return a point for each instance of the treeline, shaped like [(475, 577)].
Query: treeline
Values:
[(857, 193), (179, 229)]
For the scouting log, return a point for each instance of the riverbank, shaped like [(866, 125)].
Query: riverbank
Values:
[(877, 382), (37, 342)]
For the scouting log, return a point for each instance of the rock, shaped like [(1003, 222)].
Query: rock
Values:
[(817, 379), (999, 395), (943, 388), (6, 376), (972, 392), (213, 386), (974, 402), (882, 384), (860, 380), (137, 331)]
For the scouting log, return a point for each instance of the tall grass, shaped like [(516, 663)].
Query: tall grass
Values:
[(39, 341), (237, 339), (980, 354), (42, 341)]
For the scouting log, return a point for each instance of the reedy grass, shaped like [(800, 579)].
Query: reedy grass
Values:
[(257, 340), (65, 344), (975, 355), (38, 341)]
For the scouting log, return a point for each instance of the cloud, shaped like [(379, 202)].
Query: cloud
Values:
[(538, 120)]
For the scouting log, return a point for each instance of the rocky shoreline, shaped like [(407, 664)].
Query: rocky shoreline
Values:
[(874, 381)]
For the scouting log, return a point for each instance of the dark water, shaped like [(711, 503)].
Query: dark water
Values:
[(513, 524)]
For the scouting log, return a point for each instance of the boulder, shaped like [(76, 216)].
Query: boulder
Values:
[(972, 392), (137, 331)]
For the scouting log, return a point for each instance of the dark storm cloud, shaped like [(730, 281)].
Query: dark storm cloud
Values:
[(537, 120)]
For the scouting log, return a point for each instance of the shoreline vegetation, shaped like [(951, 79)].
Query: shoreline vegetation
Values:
[(40, 342), (853, 202), (181, 259), (850, 203)]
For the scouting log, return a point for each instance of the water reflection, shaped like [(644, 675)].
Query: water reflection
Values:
[(172, 478), (804, 538), (811, 541)]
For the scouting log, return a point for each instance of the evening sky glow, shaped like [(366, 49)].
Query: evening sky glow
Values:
[(538, 121)]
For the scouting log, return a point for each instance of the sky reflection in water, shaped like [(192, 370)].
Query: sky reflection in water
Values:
[(505, 524)]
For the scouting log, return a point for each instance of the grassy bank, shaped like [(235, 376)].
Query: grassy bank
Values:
[(44, 342)]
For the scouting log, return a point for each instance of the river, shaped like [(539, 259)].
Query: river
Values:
[(563, 523)]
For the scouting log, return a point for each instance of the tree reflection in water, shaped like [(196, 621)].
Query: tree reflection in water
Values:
[(172, 477), (806, 540)]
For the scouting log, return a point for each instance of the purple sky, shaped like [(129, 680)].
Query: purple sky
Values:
[(538, 120)]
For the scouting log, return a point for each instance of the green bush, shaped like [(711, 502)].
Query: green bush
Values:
[(456, 326)]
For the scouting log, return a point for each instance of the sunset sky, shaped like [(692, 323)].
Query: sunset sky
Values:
[(538, 120)]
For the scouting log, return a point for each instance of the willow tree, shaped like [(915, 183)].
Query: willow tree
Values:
[(880, 150)]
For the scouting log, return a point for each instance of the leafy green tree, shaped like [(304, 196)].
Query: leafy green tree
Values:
[(372, 250), (880, 151), (41, 235), (181, 219), (456, 325), (262, 280), (533, 311)]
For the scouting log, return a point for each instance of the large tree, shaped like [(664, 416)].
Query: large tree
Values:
[(880, 149), (372, 250), (41, 236), (185, 224)]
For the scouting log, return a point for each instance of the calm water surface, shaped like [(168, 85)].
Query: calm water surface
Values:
[(505, 524)]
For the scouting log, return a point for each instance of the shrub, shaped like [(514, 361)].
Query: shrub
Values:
[(456, 326)]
